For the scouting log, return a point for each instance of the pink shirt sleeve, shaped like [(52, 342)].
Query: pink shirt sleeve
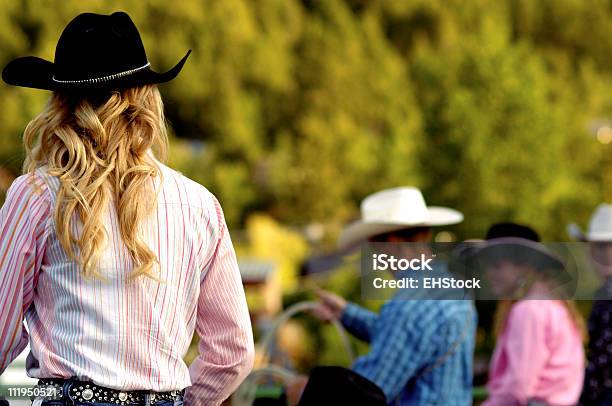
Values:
[(524, 351), (24, 230), (226, 349)]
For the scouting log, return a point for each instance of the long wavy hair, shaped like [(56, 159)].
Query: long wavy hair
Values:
[(99, 145)]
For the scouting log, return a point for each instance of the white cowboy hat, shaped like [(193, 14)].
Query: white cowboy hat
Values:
[(395, 209), (600, 226)]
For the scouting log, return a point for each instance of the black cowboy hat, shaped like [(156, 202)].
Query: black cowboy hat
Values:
[(95, 51), (521, 250), (518, 243), (507, 229), (521, 244)]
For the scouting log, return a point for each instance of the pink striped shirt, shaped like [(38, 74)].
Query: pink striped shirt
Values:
[(117, 334)]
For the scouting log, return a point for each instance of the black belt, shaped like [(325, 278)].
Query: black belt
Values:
[(84, 391)]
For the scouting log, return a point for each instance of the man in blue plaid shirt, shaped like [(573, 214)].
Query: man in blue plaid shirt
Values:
[(413, 355), (421, 351)]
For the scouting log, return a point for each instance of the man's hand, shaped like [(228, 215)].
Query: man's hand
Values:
[(295, 388), (330, 306)]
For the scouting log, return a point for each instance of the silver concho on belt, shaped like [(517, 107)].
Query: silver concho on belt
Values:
[(87, 394)]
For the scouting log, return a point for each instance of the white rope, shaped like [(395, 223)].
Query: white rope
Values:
[(245, 395), (268, 339)]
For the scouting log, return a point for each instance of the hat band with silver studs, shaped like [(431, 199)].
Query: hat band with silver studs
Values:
[(104, 78)]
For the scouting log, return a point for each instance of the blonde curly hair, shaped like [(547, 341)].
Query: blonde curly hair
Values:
[(99, 146)]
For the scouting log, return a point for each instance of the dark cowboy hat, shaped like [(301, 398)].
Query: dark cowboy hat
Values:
[(520, 250), (95, 51), (520, 244), (499, 230), (332, 385)]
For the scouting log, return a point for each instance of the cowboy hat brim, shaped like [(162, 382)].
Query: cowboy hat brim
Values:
[(360, 230), (519, 249), (576, 233), (37, 73)]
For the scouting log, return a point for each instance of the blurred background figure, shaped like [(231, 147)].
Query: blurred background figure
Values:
[(421, 351), (598, 377), (538, 357)]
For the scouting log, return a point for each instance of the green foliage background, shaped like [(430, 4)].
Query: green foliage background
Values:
[(299, 109)]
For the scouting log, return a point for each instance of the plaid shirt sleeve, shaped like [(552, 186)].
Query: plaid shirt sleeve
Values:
[(358, 321), (400, 347)]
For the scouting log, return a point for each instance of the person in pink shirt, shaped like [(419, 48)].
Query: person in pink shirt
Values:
[(539, 357), (114, 259)]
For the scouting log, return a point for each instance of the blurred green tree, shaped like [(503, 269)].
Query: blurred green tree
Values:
[(301, 108)]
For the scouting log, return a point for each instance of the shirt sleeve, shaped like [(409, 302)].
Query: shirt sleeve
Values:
[(526, 350), (358, 321), (24, 225), (226, 349), (400, 347)]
